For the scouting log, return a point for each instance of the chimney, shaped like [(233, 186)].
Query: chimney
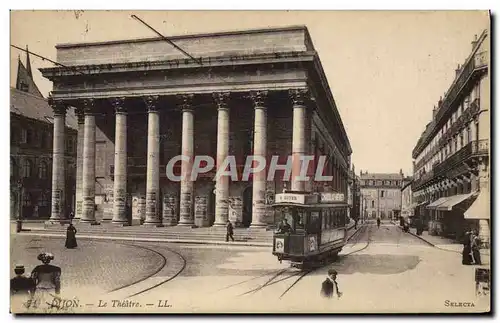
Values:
[(458, 70), (474, 42), (434, 112), (440, 102), (360, 172)]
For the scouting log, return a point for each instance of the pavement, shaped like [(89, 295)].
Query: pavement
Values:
[(445, 243)]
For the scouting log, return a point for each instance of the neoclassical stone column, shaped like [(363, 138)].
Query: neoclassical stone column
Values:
[(88, 172), (186, 214), (222, 184), (58, 164), (298, 96), (153, 163), (120, 171), (79, 163), (259, 149)]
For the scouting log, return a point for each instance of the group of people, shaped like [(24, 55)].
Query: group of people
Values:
[(43, 284), (472, 244)]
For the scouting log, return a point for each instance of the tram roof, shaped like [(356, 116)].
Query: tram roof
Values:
[(314, 205)]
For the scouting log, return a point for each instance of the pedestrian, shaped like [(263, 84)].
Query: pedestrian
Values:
[(71, 237), (47, 279), (229, 231), (378, 222), (356, 223), (466, 251), (21, 287), (476, 246), (330, 287)]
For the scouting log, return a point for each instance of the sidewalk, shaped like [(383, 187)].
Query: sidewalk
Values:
[(442, 242), (208, 236)]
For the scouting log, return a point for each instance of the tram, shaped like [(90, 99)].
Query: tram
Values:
[(311, 227)]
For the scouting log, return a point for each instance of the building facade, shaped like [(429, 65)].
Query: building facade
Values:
[(31, 131), (354, 193), (407, 206), (451, 158), (381, 194), (258, 92)]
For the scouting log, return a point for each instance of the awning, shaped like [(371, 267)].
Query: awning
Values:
[(480, 209), (437, 202), (454, 200), (421, 203)]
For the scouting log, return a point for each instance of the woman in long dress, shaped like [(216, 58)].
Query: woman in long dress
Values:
[(466, 252), (47, 280), (71, 237)]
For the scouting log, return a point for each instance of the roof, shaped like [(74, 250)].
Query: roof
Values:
[(24, 79), (382, 176), (32, 106)]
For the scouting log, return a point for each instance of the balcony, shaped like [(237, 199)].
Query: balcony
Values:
[(427, 177), (472, 149)]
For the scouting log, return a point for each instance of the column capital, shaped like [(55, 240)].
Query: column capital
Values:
[(151, 102), (89, 107), (300, 96), (118, 104), (186, 101), (258, 98), (58, 106), (221, 99)]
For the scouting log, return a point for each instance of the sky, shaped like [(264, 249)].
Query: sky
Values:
[(386, 69)]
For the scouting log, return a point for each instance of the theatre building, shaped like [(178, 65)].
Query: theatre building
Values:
[(451, 184), (143, 102)]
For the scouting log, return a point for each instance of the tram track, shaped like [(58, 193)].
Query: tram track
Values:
[(286, 274), (144, 280)]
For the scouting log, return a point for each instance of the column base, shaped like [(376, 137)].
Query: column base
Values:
[(137, 221), (186, 224), (89, 222), (56, 222), (220, 224), (258, 225), (153, 224), (169, 224), (120, 223)]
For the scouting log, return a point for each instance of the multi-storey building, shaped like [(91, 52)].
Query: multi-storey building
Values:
[(31, 123), (451, 158), (354, 193), (257, 92), (407, 206), (381, 194)]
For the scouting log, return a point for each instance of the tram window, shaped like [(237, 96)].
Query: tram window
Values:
[(330, 219), (299, 219), (313, 225), (324, 217)]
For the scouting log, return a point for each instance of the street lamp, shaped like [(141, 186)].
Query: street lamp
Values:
[(19, 222)]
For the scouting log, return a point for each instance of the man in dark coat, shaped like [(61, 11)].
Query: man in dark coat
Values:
[(329, 288), (476, 246), (229, 231), (284, 227)]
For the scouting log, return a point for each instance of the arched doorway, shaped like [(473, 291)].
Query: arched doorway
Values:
[(247, 206)]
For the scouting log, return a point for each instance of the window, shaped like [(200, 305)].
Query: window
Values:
[(469, 137), (27, 167), (24, 136), (13, 134), (29, 136), (43, 170), (455, 141), (70, 145), (27, 199), (13, 170), (381, 193), (43, 199), (461, 140), (373, 204)]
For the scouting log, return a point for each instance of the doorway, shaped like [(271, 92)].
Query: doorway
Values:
[(247, 206)]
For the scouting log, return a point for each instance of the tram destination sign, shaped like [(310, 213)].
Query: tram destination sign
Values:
[(332, 197)]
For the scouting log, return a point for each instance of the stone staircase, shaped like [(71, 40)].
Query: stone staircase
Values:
[(173, 232)]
